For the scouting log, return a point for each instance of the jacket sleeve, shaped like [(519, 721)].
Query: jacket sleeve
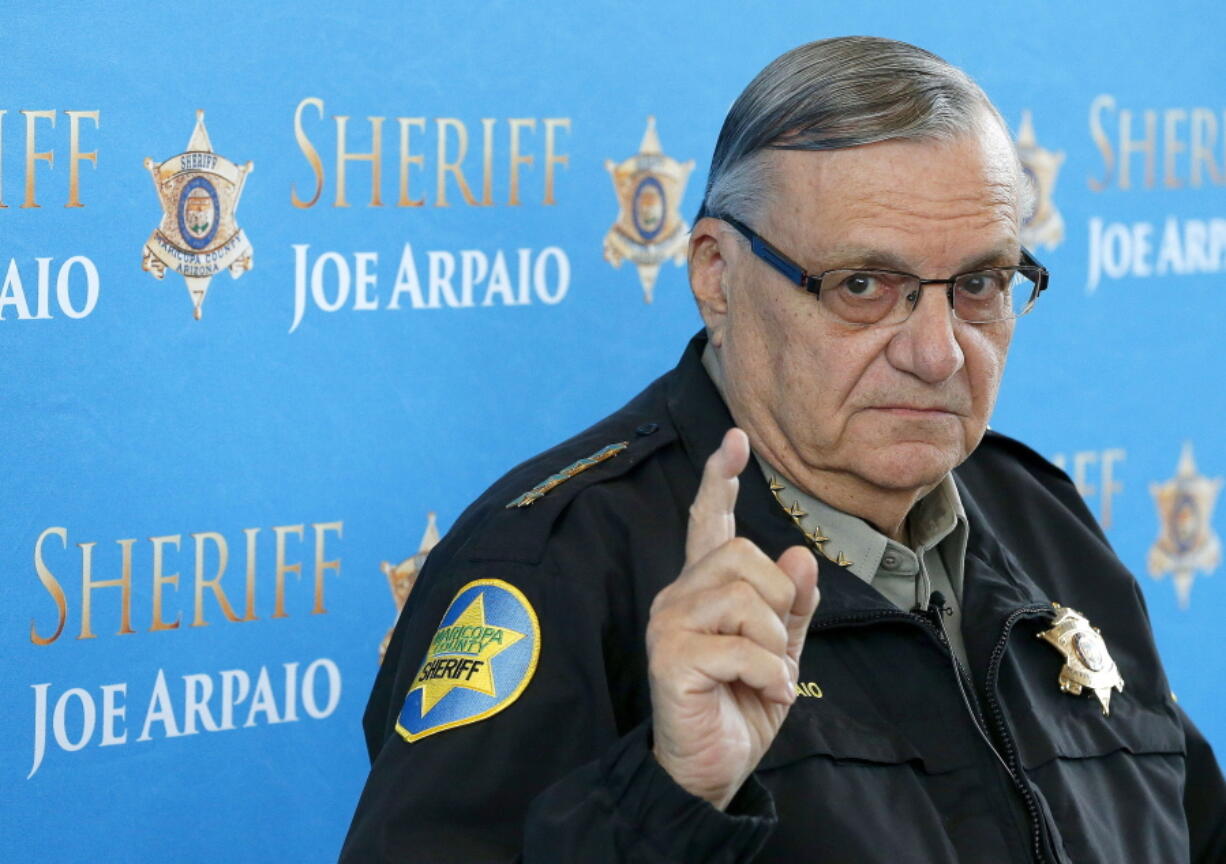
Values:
[(1204, 797), (562, 773)]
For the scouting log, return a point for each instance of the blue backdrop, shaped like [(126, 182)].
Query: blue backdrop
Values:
[(208, 523)]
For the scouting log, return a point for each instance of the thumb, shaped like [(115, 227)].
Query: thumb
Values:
[(801, 567)]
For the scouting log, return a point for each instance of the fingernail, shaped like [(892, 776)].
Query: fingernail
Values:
[(791, 691)]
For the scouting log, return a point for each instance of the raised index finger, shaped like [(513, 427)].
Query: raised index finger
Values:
[(712, 522)]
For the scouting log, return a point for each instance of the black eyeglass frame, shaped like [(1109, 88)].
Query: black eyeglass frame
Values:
[(812, 283)]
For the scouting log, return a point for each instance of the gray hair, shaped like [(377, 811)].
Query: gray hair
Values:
[(833, 94)]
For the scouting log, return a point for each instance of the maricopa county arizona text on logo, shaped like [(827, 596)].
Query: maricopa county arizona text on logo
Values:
[(198, 236), (479, 661), (649, 229)]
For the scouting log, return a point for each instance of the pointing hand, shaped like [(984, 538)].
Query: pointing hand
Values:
[(724, 641)]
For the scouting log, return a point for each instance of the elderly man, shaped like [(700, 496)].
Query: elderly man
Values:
[(618, 653)]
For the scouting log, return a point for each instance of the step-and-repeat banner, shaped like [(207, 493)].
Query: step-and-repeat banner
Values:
[(284, 286)]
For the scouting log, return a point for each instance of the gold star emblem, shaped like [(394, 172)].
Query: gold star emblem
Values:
[(402, 577), (1087, 663), (649, 229), (460, 656), (796, 513), (198, 236), (1043, 225), (1186, 540), (816, 537)]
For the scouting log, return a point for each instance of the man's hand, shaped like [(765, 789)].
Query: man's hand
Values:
[(724, 641)]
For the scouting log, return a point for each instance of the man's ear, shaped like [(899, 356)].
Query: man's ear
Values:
[(709, 241)]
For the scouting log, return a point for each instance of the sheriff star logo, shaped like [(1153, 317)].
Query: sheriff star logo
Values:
[(649, 229), (1043, 225), (198, 236), (1186, 540), (402, 577), (479, 662), (460, 656)]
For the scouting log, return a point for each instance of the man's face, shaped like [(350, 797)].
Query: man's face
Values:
[(895, 406)]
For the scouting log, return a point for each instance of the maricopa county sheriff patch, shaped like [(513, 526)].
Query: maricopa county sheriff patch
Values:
[(480, 660)]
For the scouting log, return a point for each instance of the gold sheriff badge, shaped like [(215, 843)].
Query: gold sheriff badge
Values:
[(403, 576), (1087, 664), (198, 237), (649, 229), (1186, 540), (1043, 225)]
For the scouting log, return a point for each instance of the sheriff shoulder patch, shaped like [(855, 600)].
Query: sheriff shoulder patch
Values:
[(479, 661)]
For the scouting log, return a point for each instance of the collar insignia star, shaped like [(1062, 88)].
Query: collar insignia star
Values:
[(198, 236), (1087, 663), (815, 538)]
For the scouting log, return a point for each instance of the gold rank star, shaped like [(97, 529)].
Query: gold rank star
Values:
[(460, 656)]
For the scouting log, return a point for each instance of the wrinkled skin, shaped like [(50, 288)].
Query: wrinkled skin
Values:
[(867, 419)]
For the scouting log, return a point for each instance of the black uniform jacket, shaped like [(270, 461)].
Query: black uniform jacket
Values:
[(897, 755)]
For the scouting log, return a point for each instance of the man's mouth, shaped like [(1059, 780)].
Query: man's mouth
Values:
[(916, 410)]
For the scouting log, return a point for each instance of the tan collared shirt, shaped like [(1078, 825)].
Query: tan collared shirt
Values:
[(905, 575)]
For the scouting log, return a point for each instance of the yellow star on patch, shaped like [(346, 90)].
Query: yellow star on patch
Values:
[(460, 656)]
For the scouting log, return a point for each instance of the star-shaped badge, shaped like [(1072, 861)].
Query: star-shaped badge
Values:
[(198, 235), (1087, 662), (1187, 542), (649, 229), (460, 656)]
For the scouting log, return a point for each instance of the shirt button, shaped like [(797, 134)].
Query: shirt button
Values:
[(647, 429), (890, 561)]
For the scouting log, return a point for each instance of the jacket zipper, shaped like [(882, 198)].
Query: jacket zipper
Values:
[(936, 628), (1002, 729)]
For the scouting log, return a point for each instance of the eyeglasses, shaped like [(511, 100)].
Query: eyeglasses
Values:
[(864, 297)]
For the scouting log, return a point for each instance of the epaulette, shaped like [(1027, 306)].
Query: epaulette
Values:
[(540, 490), (519, 520)]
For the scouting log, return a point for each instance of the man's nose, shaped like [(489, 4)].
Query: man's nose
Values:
[(926, 345)]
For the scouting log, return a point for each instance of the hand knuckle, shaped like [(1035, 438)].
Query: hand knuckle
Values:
[(659, 652), (778, 638), (742, 593), (787, 589), (741, 547)]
